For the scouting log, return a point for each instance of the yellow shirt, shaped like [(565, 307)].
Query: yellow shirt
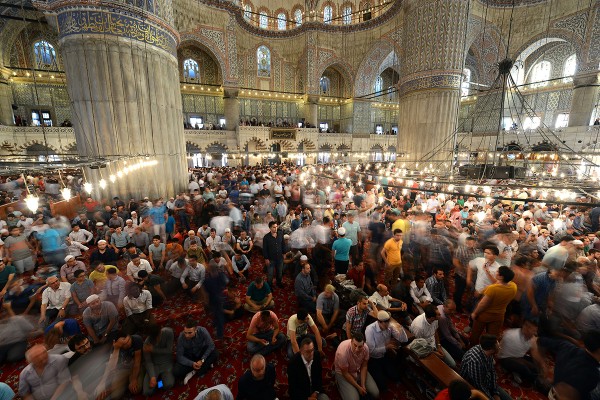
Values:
[(392, 249), (99, 278), (403, 225), (501, 295)]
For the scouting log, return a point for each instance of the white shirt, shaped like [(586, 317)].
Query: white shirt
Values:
[(419, 294), (383, 301), (514, 344), (56, 298), (81, 236), (421, 328), (213, 243), (139, 305), (483, 280), (132, 269), (308, 366), (377, 338)]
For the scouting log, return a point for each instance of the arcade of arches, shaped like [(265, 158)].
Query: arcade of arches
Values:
[(245, 82)]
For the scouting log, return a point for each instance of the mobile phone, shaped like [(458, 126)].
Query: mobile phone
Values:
[(160, 384)]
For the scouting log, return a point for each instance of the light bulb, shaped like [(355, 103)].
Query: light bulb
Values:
[(102, 184), (32, 202), (66, 193), (112, 178), (88, 187)]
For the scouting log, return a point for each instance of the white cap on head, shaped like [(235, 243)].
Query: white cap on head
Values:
[(303, 258), (92, 298), (227, 230), (102, 241), (69, 257), (383, 315), (341, 231), (129, 220), (286, 236)]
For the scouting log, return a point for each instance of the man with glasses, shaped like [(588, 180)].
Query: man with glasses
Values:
[(383, 340), (273, 253), (55, 299), (351, 375)]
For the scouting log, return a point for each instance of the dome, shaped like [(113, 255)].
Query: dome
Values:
[(509, 3)]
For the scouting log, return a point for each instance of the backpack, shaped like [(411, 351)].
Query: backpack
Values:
[(420, 347)]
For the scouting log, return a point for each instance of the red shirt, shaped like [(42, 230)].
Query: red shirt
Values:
[(357, 276), (443, 395)]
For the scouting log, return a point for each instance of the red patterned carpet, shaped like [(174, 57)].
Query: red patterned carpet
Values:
[(234, 359)]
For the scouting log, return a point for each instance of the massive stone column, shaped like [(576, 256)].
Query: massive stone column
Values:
[(586, 86), (6, 98), (232, 108), (431, 70), (121, 68), (311, 105)]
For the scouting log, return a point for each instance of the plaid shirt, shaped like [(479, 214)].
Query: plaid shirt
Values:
[(478, 369), (436, 289), (464, 254), (356, 319)]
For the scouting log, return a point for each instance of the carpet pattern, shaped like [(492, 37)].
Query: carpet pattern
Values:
[(234, 359)]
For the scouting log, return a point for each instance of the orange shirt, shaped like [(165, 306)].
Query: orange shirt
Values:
[(392, 249), (501, 295)]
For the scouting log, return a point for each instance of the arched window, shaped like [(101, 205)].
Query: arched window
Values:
[(570, 68), (281, 21), (347, 15), (45, 55), (248, 11), (327, 14), (263, 20), (190, 71), (391, 93), (378, 84), (325, 85), (466, 83), (263, 60), (540, 74), (298, 17)]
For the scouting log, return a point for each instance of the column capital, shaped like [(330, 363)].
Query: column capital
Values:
[(311, 99), (586, 78), (230, 92)]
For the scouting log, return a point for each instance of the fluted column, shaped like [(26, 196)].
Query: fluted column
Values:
[(312, 110), (429, 87), (586, 86), (6, 98), (123, 82), (232, 108)]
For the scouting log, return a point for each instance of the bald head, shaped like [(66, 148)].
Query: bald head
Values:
[(37, 355), (258, 366)]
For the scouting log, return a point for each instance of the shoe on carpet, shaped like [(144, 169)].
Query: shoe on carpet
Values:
[(188, 377)]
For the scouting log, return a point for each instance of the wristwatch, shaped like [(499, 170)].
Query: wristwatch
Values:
[(62, 308)]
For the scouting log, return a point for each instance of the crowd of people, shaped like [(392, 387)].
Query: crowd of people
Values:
[(526, 274)]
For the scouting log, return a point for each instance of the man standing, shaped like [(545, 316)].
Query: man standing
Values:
[(305, 373), (305, 290), (196, 352), (263, 334), (392, 257), (478, 368), (351, 374), (20, 251), (489, 313), (353, 232), (259, 382), (485, 267), (383, 340), (273, 254), (341, 252)]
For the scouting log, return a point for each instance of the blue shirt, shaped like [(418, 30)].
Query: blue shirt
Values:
[(157, 214), (342, 249)]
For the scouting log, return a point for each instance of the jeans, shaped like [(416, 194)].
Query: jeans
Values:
[(180, 370), (525, 367), (349, 392), (163, 373), (161, 229), (275, 268), (382, 369), (254, 347)]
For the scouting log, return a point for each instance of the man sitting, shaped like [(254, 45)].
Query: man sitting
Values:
[(138, 309), (192, 278), (305, 373), (297, 329), (259, 296), (305, 290), (101, 320), (124, 369), (114, 287), (328, 309), (384, 301), (263, 334), (67, 271), (425, 326), (259, 382), (55, 299), (351, 373), (135, 265), (196, 352), (46, 376)]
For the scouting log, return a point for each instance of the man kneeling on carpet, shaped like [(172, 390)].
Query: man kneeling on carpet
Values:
[(196, 352)]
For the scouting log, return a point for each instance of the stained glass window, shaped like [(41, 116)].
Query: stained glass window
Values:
[(378, 84), (325, 85), (298, 17), (263, 60), (190, 70), (45, 55), (570, 68), (281, 22), (263, 20), (327, 14), (541, 73), (347, 15)]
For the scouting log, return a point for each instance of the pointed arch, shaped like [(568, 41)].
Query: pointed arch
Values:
[(201, 39), (340, 66), (381, 54)]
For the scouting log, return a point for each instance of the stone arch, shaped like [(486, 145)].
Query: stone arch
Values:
[(201, 39), (259, 144), (192, 148), (544, 39), (484, 41), (371, 65), (326, 147), (307, 144), (217, 145), (286, 145), (70, 148), (343, 147), (36, 145), (341, 67)]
